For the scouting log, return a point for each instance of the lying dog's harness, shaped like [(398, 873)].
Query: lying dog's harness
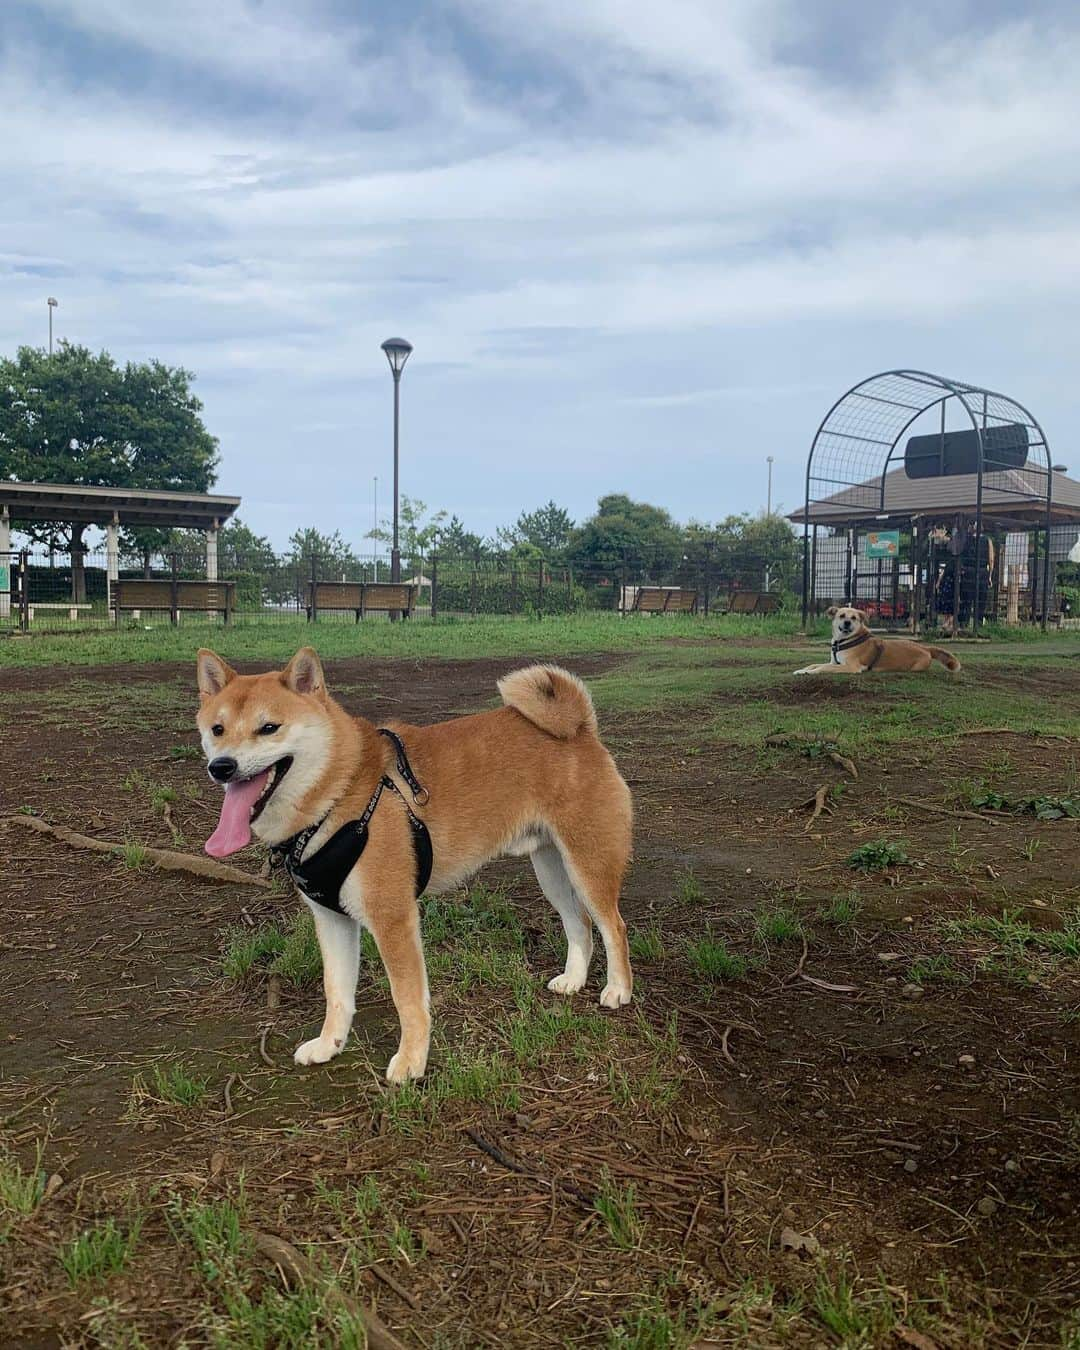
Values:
[(856, 641), (321, 877)]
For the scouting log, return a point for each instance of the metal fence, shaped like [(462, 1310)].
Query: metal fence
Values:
[(889, 591), (40, 590)]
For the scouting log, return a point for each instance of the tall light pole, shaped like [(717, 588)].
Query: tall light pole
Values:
[(397, 353), (768, 506), (374, 529), (52, 302)]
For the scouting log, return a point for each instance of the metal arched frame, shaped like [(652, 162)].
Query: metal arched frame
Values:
[(859, 438)]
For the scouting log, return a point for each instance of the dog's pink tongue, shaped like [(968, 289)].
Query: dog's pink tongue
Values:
[(234, 827)]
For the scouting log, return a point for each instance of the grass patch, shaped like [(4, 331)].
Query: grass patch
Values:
[(711, 959), (1013, 935), (938, 969), (98, 1252), (134, 856), (487, 1079), (266, 639), (647, 944), (879, 856), (617, 1207), (173, 1084), (540, 1029), (842, 910), (292, 952), (21, 1188), (779, 926), (688, 890)]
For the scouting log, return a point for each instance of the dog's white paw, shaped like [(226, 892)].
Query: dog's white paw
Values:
[(402, 1069), (614, 996), (806, 670), (567, 984), (318, 1051)]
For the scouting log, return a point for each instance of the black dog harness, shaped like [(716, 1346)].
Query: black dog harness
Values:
[(856, 641), (321, 877)]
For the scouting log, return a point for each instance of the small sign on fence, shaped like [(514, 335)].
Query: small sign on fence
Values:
[(883, 544)]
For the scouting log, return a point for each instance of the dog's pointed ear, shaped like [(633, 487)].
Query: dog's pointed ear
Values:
[(832, 611), (304, 673), (214, 673)]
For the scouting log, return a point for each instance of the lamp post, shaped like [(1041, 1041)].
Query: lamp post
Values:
[(52, 302), (397, 353), (768, 502)]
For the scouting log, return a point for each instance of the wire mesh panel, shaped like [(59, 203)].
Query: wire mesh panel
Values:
[(906, 455)]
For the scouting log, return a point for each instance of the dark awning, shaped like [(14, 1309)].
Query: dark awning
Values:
[(127, 506)]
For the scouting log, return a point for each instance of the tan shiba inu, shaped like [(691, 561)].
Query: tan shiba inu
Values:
[(366, 816), (855, 650)]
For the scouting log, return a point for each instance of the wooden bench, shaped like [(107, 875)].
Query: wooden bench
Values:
[(361, 598), (178, 597), (753, 602), (663, 600)]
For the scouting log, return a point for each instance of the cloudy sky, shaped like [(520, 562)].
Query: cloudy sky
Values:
[(638, 246)]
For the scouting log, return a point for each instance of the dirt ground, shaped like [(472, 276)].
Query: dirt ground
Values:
[(871, 1135)]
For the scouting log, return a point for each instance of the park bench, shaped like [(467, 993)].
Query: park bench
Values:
[(72, 609), (753, 602), (663, 600), (360, 598), (178, 597)]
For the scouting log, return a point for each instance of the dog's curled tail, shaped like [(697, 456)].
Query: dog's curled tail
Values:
[(946, 658), (551, 698)]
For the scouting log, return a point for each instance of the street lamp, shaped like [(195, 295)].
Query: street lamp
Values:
[(52, 302), (397, 353), (768, 506)]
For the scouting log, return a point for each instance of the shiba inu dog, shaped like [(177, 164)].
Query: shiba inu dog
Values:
[(855, 650), (368, 817)]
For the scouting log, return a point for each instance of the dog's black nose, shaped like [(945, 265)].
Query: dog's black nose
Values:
[(222, 769)]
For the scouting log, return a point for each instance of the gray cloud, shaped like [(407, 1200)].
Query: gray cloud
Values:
[(613, 230)]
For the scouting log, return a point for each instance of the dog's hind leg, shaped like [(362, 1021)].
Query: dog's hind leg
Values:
[(556, 885), (394, 923), (596, 873), (339, 943)]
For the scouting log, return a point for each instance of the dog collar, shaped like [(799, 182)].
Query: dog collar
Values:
[(848, 643), (321, 877)]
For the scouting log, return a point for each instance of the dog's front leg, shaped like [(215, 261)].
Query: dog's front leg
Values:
[(339, 943), (395, 926), (831, 669)]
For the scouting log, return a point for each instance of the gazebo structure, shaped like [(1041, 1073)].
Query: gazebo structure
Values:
[(907, 456), (109, 508)]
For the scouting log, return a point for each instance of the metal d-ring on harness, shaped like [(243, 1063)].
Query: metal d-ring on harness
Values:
[(856, 641), (321, 877)]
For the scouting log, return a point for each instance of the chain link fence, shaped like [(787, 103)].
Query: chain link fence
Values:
[(42, 590)]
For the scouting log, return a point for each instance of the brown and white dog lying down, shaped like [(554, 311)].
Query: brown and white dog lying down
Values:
[(432, 805), (855, 650)]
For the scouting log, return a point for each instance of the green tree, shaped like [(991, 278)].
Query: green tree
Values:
[(646, 536), (77, 418), (241, 549), (455, 541), (544, 532), (334, 556), (417, 530)]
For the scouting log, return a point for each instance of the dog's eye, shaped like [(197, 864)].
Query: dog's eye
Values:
[(268, 728), (217, 729)]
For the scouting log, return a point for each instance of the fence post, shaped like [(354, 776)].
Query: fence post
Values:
[(708, 573), (513, 590), (24, 591), (472, 591), (540, 591), (622, 586), (434, 586), (174, 591), (569, 590), (313, 607)]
